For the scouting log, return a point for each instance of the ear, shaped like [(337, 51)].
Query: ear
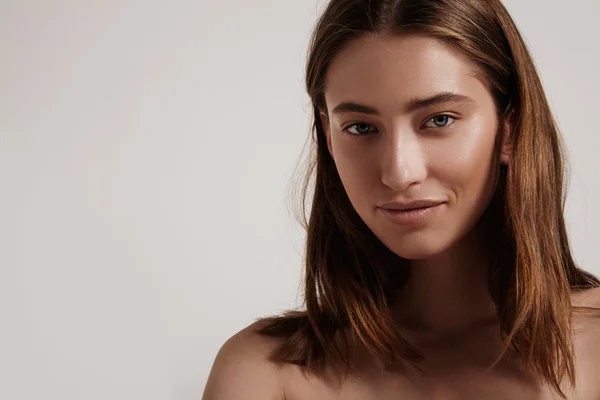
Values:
[(506, 146), (325, 125)]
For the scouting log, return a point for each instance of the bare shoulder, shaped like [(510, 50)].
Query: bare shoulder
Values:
[(586, 322), (586, 341), (241, 369), (587, 298)]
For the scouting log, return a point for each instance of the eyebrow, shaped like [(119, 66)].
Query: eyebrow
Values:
[(413, 105)]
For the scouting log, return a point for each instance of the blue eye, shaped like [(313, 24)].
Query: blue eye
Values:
[(363, 129), (441, 121)]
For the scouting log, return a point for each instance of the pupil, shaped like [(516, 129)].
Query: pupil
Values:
[(441, 119)]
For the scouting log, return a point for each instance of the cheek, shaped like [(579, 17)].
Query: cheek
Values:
[(357, 169), (466, 165)]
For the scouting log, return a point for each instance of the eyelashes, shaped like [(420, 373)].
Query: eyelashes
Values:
[(365, 126), (361, 124), (446, 116)]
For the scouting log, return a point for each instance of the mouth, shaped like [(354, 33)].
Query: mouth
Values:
[(413, 215), (412, 205)]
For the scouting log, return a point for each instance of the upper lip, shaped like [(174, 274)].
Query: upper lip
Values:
[(397, 205)]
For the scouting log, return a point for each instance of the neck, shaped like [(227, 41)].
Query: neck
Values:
[(447, 293)]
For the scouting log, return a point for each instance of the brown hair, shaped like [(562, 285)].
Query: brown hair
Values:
[(350, 276)]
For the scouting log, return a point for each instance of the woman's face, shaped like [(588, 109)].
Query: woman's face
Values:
[(392, 145)]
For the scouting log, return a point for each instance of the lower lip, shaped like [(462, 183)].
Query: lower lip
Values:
[(410, 217)]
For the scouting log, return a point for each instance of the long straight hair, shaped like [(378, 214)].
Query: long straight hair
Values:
[(350, 276)]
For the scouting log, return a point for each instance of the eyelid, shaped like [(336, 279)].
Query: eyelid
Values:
[(345, 128), (442, 115), (452, 117)]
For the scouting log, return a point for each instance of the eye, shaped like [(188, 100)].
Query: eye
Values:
[(440, 121), (360, 128)]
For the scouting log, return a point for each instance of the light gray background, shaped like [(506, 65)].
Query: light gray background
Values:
[(145, 154)]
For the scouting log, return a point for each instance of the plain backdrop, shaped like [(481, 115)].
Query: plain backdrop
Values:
[(145, 153)]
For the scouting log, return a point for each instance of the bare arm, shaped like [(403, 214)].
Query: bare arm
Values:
[(242, 372)]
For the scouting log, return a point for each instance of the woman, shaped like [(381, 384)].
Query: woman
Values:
[(437, 259)]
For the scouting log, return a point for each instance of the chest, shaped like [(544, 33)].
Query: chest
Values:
[(461, 383), (459, 373)]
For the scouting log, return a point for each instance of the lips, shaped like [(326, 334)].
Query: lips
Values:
[(412, 205), (413, 214)]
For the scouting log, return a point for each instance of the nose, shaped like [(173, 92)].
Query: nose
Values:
[(403, 162)]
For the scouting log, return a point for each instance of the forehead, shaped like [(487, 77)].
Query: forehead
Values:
[(384, 69)]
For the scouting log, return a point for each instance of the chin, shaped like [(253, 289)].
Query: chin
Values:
[(415, 248), (415, 253)]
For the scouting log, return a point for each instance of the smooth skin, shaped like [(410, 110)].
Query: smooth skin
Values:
[(397, 147)]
